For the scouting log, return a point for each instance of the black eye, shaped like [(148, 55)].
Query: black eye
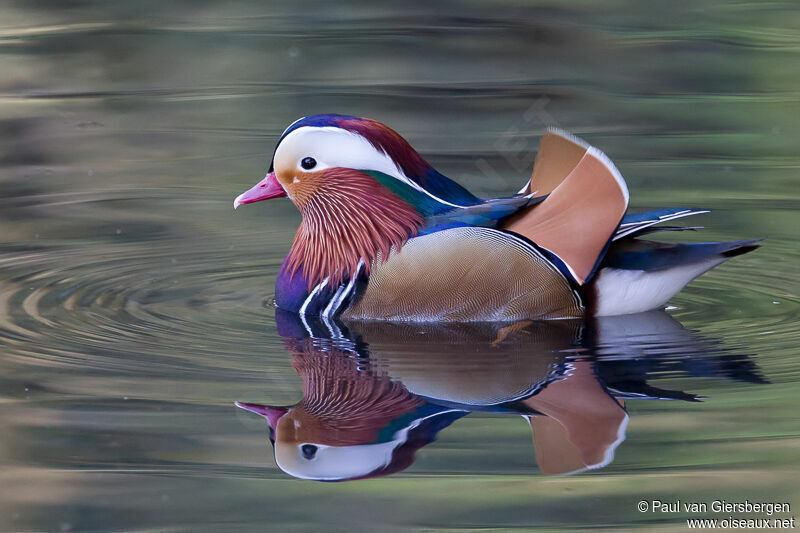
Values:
[(308, 163), (308, 450)]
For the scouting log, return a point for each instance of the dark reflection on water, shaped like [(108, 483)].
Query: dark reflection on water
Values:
[(374, 393)]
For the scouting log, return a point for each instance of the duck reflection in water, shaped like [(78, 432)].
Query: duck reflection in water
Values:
[(375, 392)]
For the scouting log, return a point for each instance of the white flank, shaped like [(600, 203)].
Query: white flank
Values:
[(622, 292)]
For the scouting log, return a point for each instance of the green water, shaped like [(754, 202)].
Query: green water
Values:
[(135, 304)]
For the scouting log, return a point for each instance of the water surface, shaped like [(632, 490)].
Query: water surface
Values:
[(135, 305)]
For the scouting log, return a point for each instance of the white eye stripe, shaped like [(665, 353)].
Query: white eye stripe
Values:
[(330, 147), (336, 147)]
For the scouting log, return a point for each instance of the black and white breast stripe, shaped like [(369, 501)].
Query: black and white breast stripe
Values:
[(331, 302)]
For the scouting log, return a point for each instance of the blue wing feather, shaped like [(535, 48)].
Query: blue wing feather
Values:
[(650, 255), (440, 216), (440, 185), (490, 213)]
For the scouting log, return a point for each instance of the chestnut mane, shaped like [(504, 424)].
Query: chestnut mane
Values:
[(348, 217)]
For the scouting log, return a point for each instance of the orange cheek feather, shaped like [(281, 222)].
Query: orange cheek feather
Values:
[(300, 186)]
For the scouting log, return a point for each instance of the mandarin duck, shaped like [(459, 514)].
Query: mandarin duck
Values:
[(384, 236), (375, 392)]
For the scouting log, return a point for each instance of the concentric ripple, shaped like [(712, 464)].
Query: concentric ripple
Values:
[(158, 302)]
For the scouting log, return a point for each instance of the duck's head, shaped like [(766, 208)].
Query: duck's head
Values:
[(361, 188), (320, 147)]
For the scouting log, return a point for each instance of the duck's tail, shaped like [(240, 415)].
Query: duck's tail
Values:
[(638, 275)]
